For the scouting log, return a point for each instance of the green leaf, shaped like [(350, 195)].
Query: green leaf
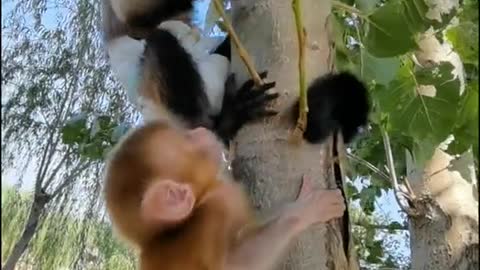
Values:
[(75, 129), (367, 200), (394, 26), (466, 130), (464, 39), (102, 128), (418, 115), (380, 70), (392, 227), (348, 2), (469, 11), (423, 150), (376, 252), (350, 190), (92, 151), (367, 6)]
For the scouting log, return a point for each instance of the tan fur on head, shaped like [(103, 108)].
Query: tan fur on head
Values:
[(124, 8), (153, 151)]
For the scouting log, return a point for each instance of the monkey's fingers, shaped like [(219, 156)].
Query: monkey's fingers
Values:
[(260, 113), (259, 100), (250, 84), (231, 78), (247, 86), (267, 86), (250, 95), (263, 74)]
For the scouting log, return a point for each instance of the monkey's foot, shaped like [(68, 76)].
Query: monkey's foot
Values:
[(251, 101), (247, 104)]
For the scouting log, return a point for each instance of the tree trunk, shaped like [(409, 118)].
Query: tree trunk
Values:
[(444, 234), (38, 206), (264, 160)]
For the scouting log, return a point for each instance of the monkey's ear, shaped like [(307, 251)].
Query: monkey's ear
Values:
[(167, 201)]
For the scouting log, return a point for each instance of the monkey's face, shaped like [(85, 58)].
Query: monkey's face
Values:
[(192, 157), (145, 157), (206, 141)]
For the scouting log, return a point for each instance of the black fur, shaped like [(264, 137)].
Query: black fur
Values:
[(183, 91), (168, 9), (336, 102), (224, 48), (242, 106), (177, 73)]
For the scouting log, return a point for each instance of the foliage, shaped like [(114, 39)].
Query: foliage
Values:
[(378, 40), (102, 250), (56, 91), (15, 208)]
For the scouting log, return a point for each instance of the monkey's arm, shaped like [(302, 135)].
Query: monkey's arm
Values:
[(262, 247)]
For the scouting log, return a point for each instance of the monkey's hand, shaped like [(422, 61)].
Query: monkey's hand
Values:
[(314, 206), (239, 107)]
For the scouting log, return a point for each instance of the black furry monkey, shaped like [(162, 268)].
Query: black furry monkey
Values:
[(171, 74)]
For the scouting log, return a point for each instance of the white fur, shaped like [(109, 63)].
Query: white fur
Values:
[(125, 54), (212, 68), (214, 71)]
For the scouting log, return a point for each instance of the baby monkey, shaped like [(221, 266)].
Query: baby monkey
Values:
[(164, 196)]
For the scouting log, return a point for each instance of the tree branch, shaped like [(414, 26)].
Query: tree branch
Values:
[(69, 179), (242, 52), (369, 166), (378, 226), (393, 175), (303, 104), (56, 169)]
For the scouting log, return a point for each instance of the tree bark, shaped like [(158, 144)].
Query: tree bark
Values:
[(444, 234), (264, 160), (38, 206)]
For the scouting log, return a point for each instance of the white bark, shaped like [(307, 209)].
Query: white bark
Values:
[(445, 233)]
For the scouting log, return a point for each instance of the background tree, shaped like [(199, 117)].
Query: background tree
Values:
[(58, 118)]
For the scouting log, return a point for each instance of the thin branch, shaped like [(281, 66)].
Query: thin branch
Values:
[(242, 52), (359, 13), (303, 104), (56, 169), (369, 166), (378, 226), (69, 179), (52, 143), (393, 175)]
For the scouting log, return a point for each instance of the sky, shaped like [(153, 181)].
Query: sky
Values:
[(386, 206)]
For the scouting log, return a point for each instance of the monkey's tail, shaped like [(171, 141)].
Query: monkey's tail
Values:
[(336, 102)]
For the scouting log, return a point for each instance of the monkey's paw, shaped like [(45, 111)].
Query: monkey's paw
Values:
[(251, 101), (240, 107)]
